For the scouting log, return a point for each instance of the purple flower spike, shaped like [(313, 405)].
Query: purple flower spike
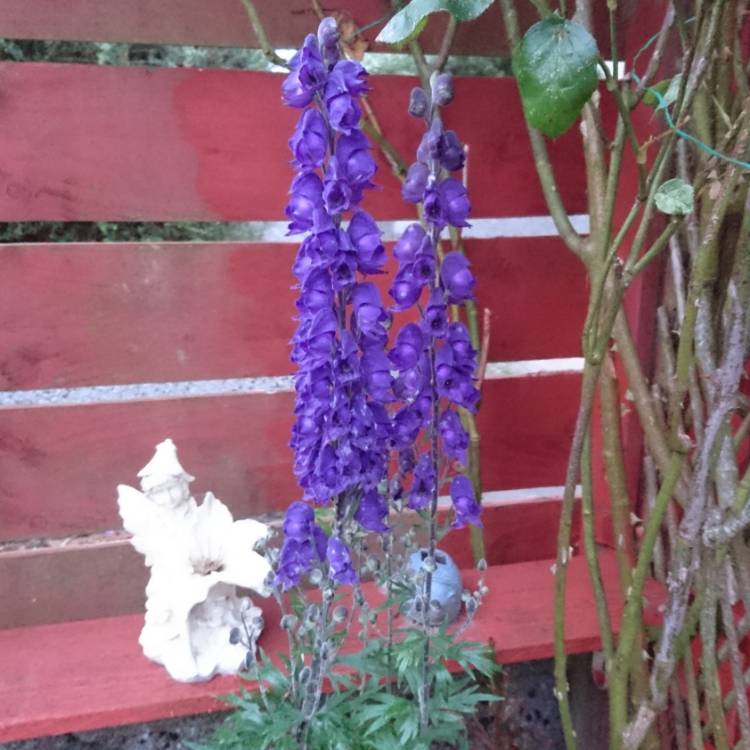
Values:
[(464, 503), (372, 512), (415, 183), (376, 371), (307, 77), (340, 562), (457, 279), (310, 140), (295, 560)]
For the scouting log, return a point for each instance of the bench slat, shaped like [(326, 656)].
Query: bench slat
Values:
[(224, 22), (154, 312), (144, 144), (74, 582), (71, 457), (91, 674)]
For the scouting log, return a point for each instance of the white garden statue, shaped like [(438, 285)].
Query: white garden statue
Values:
[(198, 555)]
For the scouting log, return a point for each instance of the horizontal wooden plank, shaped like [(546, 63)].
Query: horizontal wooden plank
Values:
[(141, 313), (74, 582), (84, 142), (72, 457), (224, 22), (91, 674)]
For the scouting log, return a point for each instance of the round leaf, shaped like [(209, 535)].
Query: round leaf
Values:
[(410, 20), (674, 197), (555, 66)]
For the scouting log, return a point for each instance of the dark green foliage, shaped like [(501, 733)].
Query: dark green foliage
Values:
[(555, 65), (376, 710)]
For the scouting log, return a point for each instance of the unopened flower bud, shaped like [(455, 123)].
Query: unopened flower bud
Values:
[(235, 636), (316, 576), (482, 565), (304, 675), (287, 622), (418, 103), (340, 613), (442, 89)]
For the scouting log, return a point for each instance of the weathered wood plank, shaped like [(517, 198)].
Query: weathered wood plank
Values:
[(141, 313), (71, 457), (84, 580), (134, 144), (98, 676), (224, 22)]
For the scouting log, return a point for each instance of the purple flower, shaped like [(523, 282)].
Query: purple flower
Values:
[(310, 140), (415, 183), (453, 382), (328, 41), (295, 560), (442, 89), (430, 145), (343, 110), (457, 279), (320, 539), (352, 75), (464, 503), (409, 347), (454, 202), (405, 288), (376, 374), (435, 317), (454, 437), (365, 236), (423, 486), (372, 512), (452, 155), (369, 316), (355, 163), (340, 562), (464, 354), (418, 104), (424, 265), (337, 194), (410, 243), (298, 521), (308, 75), (307, 197), (317, 292)]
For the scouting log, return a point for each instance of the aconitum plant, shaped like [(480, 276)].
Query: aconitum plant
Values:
[(343, 382)]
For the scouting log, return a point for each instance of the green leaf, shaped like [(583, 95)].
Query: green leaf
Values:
[(410, 20), (555, 66), (674, 197)]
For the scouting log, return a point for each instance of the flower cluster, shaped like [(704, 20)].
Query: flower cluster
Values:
[(343, 382), (435, 358)]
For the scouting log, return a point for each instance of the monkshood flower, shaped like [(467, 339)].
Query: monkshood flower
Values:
[(342, 430), (466, 508), (435, 360), (372, 512)]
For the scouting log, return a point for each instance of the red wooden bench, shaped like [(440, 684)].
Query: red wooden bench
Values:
[(89, 143)]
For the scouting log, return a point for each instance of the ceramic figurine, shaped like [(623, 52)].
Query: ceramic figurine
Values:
[(198, 555)]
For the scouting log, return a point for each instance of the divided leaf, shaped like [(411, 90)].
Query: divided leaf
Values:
[(410, 20), (555, 66), (674, 196)]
